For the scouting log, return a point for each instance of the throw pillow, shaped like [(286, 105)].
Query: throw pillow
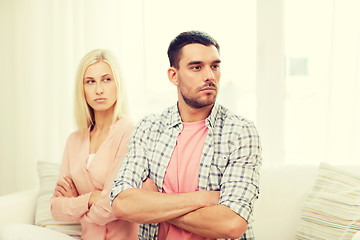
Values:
[(48, 174), (332, 208), (356, 236)]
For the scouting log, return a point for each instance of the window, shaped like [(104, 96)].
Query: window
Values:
[(322, 47)]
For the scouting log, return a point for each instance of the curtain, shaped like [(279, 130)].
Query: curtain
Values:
[(42, 42)]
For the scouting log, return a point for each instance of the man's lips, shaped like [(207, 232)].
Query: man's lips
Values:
[(208, 89)]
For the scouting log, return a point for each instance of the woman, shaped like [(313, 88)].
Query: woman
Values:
[(93, 154)]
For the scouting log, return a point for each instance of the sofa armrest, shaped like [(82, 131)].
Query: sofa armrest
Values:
[(18, 207)]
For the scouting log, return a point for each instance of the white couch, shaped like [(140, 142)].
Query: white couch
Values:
[(276, 216), (18, 207)]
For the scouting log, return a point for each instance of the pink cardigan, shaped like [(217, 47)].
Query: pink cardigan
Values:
[(98, 221)]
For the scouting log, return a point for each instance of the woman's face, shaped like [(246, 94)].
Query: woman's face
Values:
[(100, 87)]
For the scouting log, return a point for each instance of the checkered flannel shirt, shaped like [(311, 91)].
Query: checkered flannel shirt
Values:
[(230, 160)]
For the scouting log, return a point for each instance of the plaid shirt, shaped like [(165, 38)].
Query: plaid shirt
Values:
[(230, 160)]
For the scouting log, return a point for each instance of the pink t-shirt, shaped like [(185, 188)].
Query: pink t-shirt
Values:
[(182, 173)]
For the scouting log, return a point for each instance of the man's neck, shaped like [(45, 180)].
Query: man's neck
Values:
[(189, 114)]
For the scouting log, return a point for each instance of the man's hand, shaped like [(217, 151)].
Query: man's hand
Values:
[(210, 198), (66, 188), (149, 185)]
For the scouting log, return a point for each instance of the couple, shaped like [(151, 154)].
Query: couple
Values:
[(191, 172)]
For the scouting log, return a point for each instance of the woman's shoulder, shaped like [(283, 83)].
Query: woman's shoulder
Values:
[(123, 125), (75, 136)]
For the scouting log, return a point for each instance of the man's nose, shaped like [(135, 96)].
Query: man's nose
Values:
[(209, 74)]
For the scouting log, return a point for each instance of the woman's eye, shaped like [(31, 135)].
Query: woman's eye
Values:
[(107, 79), (90, 81)]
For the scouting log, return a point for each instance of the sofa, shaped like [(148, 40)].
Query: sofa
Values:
[(277, 214)]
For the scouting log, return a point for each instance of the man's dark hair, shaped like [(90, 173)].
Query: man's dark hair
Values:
[(186, 38)]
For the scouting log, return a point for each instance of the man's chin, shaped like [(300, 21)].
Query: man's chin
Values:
[(203, 104)]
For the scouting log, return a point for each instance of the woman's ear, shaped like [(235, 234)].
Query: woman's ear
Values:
[(172, 75)]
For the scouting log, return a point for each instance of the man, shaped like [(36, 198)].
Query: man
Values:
[(203, 159)]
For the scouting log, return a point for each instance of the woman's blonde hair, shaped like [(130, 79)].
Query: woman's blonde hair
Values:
[(84, 114)]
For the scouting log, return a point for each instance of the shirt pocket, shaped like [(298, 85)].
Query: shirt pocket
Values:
[(216, 172)]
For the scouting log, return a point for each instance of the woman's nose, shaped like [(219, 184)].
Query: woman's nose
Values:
[(99, 89)]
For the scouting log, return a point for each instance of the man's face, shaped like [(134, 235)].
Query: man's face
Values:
[(198, 75)]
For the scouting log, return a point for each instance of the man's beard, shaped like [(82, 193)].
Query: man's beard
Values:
[(194, 103)]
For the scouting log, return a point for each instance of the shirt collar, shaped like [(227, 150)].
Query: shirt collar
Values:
[(210, 120), (175, 119)]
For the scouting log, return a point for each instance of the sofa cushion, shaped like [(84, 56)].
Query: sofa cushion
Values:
[(283, 190), (31, 232), (356, 236), (48, 174), (332, 208)]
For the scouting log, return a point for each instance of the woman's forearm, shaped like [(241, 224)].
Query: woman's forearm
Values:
[(69, 208)]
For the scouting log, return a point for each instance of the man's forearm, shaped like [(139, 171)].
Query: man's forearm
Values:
[(212, 222), (143, 206)]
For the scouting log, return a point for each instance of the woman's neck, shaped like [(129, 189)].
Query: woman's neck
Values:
[(103, 120)]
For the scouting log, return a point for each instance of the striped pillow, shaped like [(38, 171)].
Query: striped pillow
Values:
[(48, 174), (332, 208)]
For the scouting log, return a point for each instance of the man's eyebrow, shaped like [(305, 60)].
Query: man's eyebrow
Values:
[(194, 63), (200, 62)]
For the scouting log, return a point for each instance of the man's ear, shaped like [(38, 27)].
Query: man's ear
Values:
[(172, 75)]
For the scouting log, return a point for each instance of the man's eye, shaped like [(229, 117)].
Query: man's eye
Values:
[(215, 66), (196, 67)]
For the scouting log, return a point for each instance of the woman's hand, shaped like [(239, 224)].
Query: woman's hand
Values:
[(149, 185), (66, 188), (95, 195)]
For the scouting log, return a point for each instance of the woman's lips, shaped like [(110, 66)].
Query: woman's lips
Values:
[(100, 100)]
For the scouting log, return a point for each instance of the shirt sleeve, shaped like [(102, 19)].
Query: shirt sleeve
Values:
[(65, 208), (240, 182), (134, 168), (100, 212)]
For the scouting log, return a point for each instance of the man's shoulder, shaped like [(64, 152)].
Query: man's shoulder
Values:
[(157, 120), (226, 117)]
